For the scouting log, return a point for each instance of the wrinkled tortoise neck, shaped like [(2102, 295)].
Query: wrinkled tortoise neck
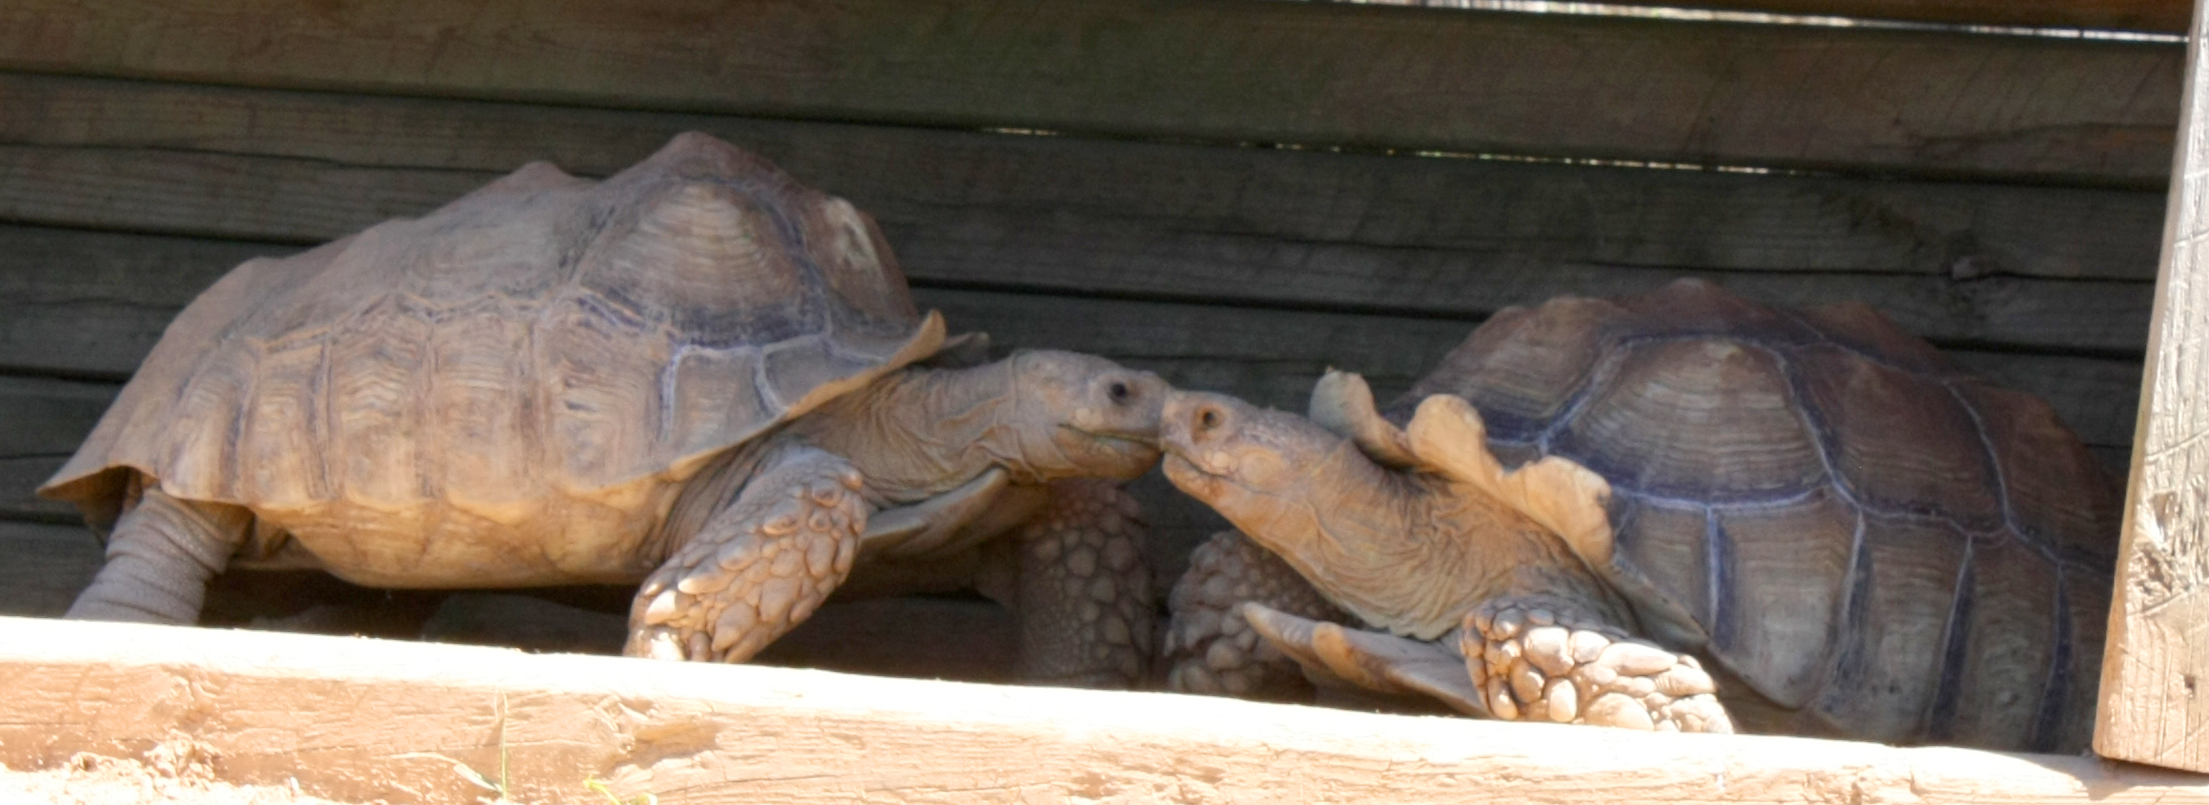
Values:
[(918, 433), (1369, 538)]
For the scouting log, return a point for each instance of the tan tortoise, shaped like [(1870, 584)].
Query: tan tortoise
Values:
[(1681, 510), (696, 374)]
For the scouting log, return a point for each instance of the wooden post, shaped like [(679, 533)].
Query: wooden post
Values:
[(2155, 672)]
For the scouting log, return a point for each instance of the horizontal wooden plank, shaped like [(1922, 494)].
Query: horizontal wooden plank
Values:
[(19, 477), (1314, 74), (41, 423), (1127, 246), (2157, 16), (357, 719), (47, 565), (1496, 214)]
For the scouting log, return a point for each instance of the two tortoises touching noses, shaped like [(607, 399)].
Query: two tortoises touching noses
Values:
[(1677, 511), (1674, 511), (696, 374)]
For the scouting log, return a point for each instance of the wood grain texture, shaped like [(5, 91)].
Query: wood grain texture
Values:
[(1231, 70), (361, 718), (2161, 16), (1538, 239), (41, 423), (45, 568), (2152, 709), (1493, 215)]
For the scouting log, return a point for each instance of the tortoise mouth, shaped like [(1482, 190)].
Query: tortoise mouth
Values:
[(1175, 461), (1131, 438), (1193, 479), (1120, 441), (1139, 451)]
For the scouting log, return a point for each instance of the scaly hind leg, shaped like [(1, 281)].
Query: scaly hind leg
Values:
[(1210, 647), (1084, 593), (159, 559), (1536, 659), (757, 567)]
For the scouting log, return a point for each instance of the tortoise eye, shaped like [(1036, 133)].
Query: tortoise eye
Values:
[(1208, 418), (1118, 392)]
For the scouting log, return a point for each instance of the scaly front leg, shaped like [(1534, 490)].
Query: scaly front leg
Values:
[(1543, 660), (759, 566)]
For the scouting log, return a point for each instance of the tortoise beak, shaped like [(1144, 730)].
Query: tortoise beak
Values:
[(1195, 427)]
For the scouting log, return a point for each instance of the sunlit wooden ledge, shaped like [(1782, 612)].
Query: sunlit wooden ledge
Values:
[(360, 719)]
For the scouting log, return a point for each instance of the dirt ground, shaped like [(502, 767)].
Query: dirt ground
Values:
[(176, 771)]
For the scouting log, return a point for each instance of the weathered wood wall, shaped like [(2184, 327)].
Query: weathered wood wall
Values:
[(1237, 193)]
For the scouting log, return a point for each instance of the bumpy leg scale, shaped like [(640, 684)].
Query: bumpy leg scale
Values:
[(1539, 660), (1210, 647), (1084, 596), (758, 567)]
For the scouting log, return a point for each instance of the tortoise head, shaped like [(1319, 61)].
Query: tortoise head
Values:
[(1081, 415), (1400, 528)]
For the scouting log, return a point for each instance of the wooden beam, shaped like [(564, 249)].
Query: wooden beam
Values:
[(2158, 16), (19, 477), (41, 423), (2002, 267), (1491, 212), (1312, 74), (46, 566), (2153, 709), (356, 719)]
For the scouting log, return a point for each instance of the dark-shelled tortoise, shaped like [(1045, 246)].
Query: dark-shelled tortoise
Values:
[(1604, 511), (697, 374)]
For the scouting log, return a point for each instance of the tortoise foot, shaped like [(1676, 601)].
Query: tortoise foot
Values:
[(1537, 662), (1209, 645), (758, 568), (1084, 598)]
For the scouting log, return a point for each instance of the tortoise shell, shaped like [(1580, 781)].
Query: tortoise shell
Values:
[(1873, 540), (507, 388)]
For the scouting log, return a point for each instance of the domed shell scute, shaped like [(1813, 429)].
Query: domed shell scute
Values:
[(2058, 497), (1822, 503), (1902, 442), (1532, 361), (1859, 328), (1783, 563), (1697, 417), (545, 335), (2010, 596), (1891, 642)]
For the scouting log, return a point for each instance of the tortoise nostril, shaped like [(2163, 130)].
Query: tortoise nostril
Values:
[(1209, 418)]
